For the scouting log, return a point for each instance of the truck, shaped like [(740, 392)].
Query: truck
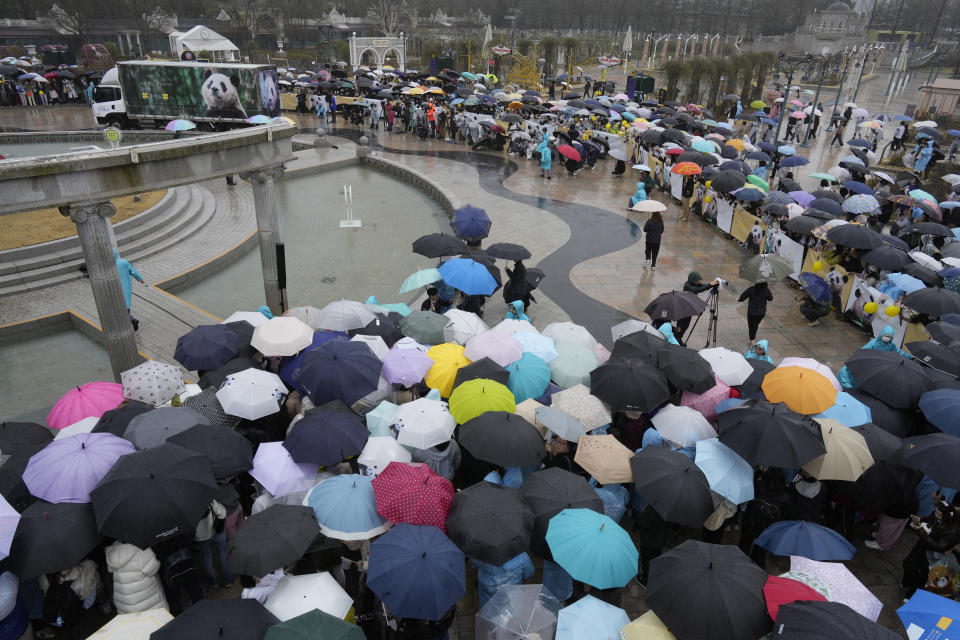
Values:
[(215, 96)]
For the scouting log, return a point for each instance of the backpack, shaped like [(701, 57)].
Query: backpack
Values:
[(178, 566)]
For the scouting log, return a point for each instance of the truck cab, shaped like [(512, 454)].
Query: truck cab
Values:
[(108, 105)]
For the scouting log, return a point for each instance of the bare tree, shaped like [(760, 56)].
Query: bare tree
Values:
[(74, 18), (389, 15)]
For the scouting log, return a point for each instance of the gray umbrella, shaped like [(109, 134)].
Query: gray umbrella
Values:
[(151, 429)]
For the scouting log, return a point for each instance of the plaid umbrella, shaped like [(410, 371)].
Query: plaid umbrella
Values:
[(206, 404)]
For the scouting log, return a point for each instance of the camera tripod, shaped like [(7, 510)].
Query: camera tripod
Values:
[(713, 306)]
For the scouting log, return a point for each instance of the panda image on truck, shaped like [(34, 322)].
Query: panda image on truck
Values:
[(220, 94)]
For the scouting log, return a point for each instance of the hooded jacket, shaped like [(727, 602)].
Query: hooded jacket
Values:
[(136, 585), (667, 330), (876, 344), (444, 463), (515, 311), (127, 272), (694, 283), (640, 195), (751, 354)]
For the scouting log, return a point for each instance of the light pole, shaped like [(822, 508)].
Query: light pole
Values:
[(871, 50), (843, 79), (689, 38), (823, 63), (789, 68)]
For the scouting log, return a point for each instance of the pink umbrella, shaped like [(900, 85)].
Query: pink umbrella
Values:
[(694, 109), (91, 399), (843, 586), (800, 115), (796, 102), (500, 347), (819, 367), (706, 402), (414, 494)]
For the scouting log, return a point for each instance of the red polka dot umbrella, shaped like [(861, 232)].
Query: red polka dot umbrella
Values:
[(414, 494)]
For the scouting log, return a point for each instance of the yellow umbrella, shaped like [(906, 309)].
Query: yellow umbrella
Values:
[(133, 626), (416, 91), (436, 90), (646, 627), (802, 390), (478, 396), (736, 143), (515, 96), (433, 79), (447, 359), (604, 458), (514, 105), (847, 454)]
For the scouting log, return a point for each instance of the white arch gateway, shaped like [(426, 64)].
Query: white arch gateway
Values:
[(380, 48)]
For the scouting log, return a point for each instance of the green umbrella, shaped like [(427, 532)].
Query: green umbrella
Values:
[(314, 624), (573, 364), (823, 176), (421, 278), (426, 327), (758, 104), (766, 267), (398, 307), (757, 181)]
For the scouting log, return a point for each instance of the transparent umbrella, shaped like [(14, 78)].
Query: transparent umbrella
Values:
[(518, 611)]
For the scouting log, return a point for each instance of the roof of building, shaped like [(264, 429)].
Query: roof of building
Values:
[(839, 6), (943, 83)]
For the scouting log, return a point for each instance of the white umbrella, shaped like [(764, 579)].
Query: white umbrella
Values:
[(409, 343), (511, 326), (926, 261), (424, 423), (951, 178), (684, 425), (83, 426), (376, 344), (343, 315), (152, 382), (252, 393), (307, 315), (296, 595), (282, 337), (278, 473), (381, 451), (253, 317), (133, 626), (463, 326), (498, 346), (633, 325), (540, 346), (560, 423), (569, 332), (813, 365), (731, 367)]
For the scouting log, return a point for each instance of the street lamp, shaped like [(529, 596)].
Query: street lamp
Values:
[(823, 63), (789, 68), (689, 38)]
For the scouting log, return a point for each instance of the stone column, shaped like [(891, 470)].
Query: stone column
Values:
[(265, 203), (92, 220)]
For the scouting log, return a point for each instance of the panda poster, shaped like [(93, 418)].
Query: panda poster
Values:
[(784, 247), (199, 92), (860, 295)]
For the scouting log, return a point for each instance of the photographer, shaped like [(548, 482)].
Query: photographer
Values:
[(695, 285)]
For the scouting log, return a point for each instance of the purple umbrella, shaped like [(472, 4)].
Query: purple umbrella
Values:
[(802, 198), (406, 366), (67, 470)]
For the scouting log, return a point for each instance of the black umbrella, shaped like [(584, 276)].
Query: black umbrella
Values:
[(383, 326), (818, 214), (775, 209), (827, 205), (933, 228), (935, 355), (808, 619), (326, 438), (789, 184), (802, 225), (883, 445), (673, 485), (18, 433), (686, 369), (934, 302), (534, 277), (887, 257), (437, 245), (629, 385), (889, 376), (483, 368), (216, 377), (674, 135), (652, 137), (944, 332), (228, 451), (829, 194), (937, 455), (885, 485), (11, 471), (503, 438), (549, 492), (508, 251), (641, 344), (855, 236), (154, 494), (675, 305), (898, 422), (737, 166), (244, 331), (924, 274), (490, 522), (727, 181), (52, 538), (207, 404), (9, 70), (726, 151), (771, 434), (275, 537), (237, 619), (713, 591), (340, 369), (760, 369), (206, 347), (701, 159)]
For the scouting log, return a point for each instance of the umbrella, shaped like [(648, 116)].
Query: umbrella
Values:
[(132, 626), (765, 268), (282, 336), (590, 619), (509, 325), (497, 346), (940, 408), (529, 377), (152, 382), (278, 473), (780, 591), (180, 125), (540, 346), (206, 347), (799, 538), (424, 423), (339, 369), (503, 438), (438, 245), (518, 611), (718, 582), (842, 586), (13, 434), (706, 402), (633, 325), (67, 470), (802, 389), (847, 410), (474, 397), (573, 364), (462, 326), (815, 287), (889, 376), (326, 439), (314, 624), (550, 491), (426, 327), (927, 613), (213, 379), (935, 355), (91, 399), (855, 236), (731, 367), (673, 485), (346, 508), (727, 473), (592, 548), (490, 522), (604, 458), (933, 301), (380, 451), (561, 332), (151, 429), (406, 366), (484, 368), (176, 483), (341, 315), (469, 276), (629, 385), (413, 494), (9, 519), (682, 425), (812, 365), (297, 595), (253, 318), (421, 278), (277, 536), (470, 223), (416, 571), (810, 619), (560, 423), (569, 152), (937, 455), (508, 251), (228, 451), (770, 434), (686, 169), (649, 206), (384, 327), (252, 394), (50, 538), (760, 369), (887, 257)]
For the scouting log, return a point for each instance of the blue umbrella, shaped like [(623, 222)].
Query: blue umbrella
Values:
[(206, 347), (786, 150), (346, 508), (416, 571), (529, 377), (848, 410), (729, 403), (769, 147), (927, 614), (903, 118), (724, 125), (954, 133), (794, 161), (468, 276), (904, 281), (746, 194), (340, 369), (590, 618), (860, 142), (758, 155), (815, 287), (949, 204), (471, 223), (940, 408), (592, 548), (799, 538), (858, 187), (326, 438), (728, 474), (769, 121), (853, 159), (290, 367)]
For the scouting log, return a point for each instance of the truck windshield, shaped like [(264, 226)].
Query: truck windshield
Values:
[(106, 94)]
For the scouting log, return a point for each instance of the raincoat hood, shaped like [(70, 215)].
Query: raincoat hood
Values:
[(265, 310), (694, 277), (763, 344), (667, 330)]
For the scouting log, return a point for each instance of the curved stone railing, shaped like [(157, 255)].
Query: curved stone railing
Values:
[(26, 137), (447, 200)]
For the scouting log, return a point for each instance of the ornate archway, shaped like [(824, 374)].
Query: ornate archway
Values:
[(380, 48)]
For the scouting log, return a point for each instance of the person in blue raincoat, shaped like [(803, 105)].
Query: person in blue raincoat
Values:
[(639, 196), (546, 156), (883, 342), (924, 158), (667, 330), (127, 273), (515, 311), (759, 351)]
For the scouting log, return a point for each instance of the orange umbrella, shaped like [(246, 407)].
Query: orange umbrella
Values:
[(686, 169), (802, 390), (514, 105), (736, 143)]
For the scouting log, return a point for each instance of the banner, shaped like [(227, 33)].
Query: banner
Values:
[(781, 245), (676, 186), (748, 229), (860, 295), (724, 214)]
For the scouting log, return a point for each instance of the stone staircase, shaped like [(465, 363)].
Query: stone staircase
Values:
[(180, 213)]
